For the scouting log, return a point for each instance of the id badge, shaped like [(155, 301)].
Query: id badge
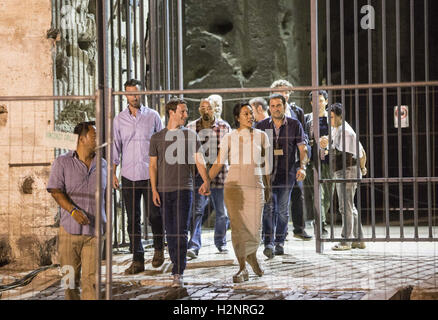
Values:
[(278, 152)]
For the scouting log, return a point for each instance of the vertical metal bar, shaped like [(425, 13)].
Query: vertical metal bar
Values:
[(344, 160), (119, 31), (414, 120), (120, 98), (356, 106), (426, 71), (371, 126), (134, 9), (109, 213), (128, 40), (180, 48), (153, 51), (315, 82), (399, 131), (98, 198), (385, 118), (167, 35), (330, 100), (113, 85), (174, 37), (142, 50)]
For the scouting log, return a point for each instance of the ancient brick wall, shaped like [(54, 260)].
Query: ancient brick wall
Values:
[(26, 209)]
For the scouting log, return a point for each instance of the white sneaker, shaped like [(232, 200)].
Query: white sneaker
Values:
[(178, 281), (191, 253)]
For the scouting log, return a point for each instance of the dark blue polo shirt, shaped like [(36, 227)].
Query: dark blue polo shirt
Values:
[(290, 136)]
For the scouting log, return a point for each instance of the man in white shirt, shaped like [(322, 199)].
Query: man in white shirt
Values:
[(351, 226)]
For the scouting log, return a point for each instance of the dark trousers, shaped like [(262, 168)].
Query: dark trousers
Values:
[(297, 210), (132, 192), (176, 207)]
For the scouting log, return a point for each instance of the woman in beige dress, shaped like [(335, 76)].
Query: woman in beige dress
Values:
[(246, 186)]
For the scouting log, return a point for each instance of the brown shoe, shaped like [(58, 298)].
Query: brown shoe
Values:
[(253, 262), (358, 245), (241, 276), (135, 267), (158, 258)]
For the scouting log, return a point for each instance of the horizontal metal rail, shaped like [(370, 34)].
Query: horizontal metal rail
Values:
[(303, 88), (431, 239), (45, 98), (383, 180)]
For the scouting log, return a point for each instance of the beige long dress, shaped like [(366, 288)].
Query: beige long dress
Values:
[(244, 189)]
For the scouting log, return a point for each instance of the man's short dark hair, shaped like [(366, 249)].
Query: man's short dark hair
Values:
[(277, 96), (320, 93), (132, 83), (259, 102), (173, 103), (82, 128), (336, 108)]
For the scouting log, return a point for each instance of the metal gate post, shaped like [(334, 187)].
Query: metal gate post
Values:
[(315, 83)]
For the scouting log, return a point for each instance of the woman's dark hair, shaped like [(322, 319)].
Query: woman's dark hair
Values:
[(336, 108), (82, 128), (236, 111)]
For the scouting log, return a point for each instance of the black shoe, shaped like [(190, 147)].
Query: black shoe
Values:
[(279, 250), (303, 236), (222, 249), (324, 233), (135, 267)]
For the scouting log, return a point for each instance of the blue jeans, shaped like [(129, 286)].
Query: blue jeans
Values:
[(175, 208), (132, 192), (276, 216), (222, 221)]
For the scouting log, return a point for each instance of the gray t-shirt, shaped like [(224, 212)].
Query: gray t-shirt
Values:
[(175, 151)]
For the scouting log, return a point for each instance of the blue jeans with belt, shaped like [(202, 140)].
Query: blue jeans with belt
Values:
[(222, 221), (175, 208)]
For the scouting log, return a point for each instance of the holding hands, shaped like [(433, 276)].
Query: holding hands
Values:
[(205, 189)]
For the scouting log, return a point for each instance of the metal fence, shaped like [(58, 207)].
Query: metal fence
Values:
[(157, 61), (370, 105)]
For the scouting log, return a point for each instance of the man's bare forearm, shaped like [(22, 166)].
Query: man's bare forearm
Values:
[(62, 200)]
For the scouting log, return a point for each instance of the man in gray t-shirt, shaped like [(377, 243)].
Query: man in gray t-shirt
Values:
[(173, 153)]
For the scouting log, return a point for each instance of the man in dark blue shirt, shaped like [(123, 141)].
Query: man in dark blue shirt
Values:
[(288, 136), (297, 195)]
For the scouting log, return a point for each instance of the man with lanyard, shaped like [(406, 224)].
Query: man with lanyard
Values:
[(133, 129), (288, 137), (327, 188), (210, 130), (297, 195), (72, 183)]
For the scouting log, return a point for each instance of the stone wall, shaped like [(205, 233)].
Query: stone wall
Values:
[(244, 43), (26, 209)]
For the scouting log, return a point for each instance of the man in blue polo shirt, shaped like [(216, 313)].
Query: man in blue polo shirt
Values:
[(288, 136), (72, 183)]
